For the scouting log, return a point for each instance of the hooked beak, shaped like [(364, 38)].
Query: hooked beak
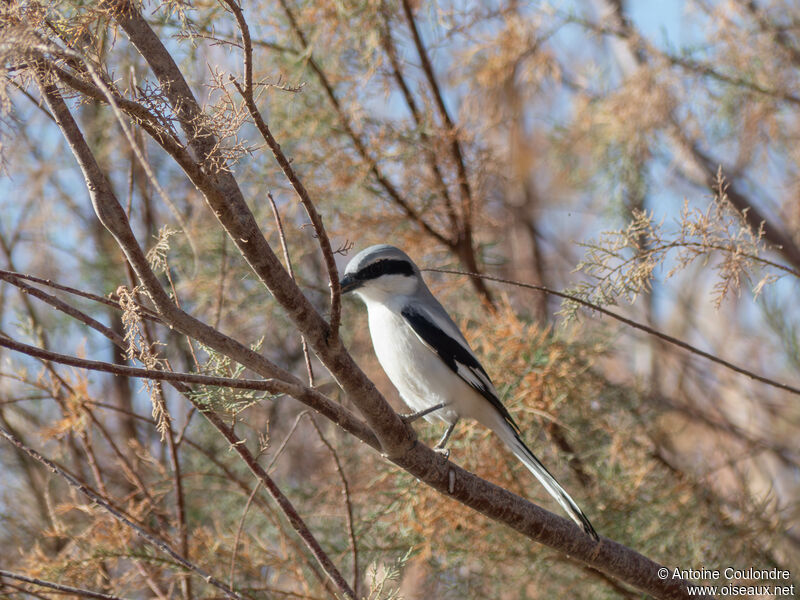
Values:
[(349, 283)]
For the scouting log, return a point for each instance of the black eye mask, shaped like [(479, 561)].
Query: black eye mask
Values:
[(386, 266)]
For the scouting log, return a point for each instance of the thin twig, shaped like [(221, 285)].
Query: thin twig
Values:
[(112, 301), (59, 304), (631, 323), (264, 385), (239, 532), (316, 220), (287, 258), (253, 494), (348, 505)]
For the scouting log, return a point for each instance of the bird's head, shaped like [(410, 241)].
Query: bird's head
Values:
[(381, 273)]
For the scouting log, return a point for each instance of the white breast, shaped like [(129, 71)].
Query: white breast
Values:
[(420, 376)]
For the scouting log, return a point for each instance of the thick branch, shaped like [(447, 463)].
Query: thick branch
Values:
[(495, 502), (115, 220), (225, 198)]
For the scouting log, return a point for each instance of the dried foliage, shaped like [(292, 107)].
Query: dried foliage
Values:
[(492, 137), (623, 263)]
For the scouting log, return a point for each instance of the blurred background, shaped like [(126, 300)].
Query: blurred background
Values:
[(641, 156)]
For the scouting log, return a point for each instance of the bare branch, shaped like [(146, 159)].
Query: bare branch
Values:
[(286, 166), (287, 258)]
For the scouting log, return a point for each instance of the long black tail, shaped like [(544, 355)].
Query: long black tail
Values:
[(524, 454)]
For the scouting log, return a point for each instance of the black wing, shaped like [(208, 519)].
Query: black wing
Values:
[(456, 355)]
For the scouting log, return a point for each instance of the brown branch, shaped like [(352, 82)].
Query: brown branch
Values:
[(269, 514), (252, 495), (139, 113), (239, 529), (309, 396), (465, 244), (112, 301), (115, 220), (59, 587), (305, 200), (150, 538), (348, 506), (397, 72), (636, 325), (287, 258), (237, 444), (286, 166), (60, 305), (297, 522), (450, 128)]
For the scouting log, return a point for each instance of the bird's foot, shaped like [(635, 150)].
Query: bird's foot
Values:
[(411, 417), (445, 452)]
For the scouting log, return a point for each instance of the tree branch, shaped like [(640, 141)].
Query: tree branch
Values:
[(465, 245), (286, 166)]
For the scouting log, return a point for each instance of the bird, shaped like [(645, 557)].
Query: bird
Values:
[(428, 360)]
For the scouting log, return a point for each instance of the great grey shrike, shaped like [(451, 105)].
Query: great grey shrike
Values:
[(430, 363)]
